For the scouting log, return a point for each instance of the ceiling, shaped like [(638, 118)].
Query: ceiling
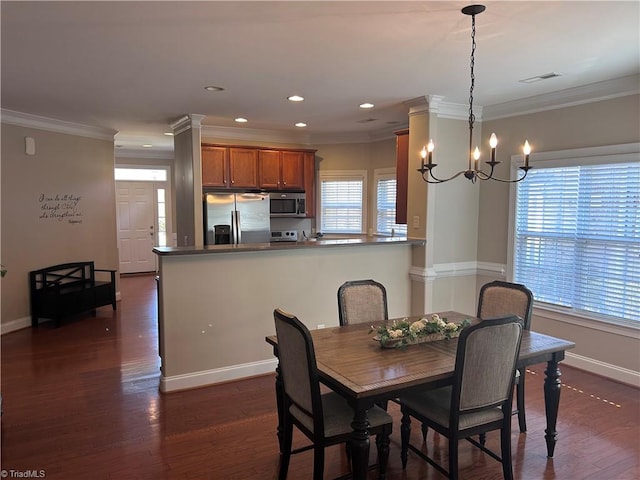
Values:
[(136, 67)]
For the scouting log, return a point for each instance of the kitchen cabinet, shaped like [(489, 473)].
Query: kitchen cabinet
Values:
[(243, 168), (281, 170), (310, 183), (402, 174), (240, 167), (225, 167), (215, 166)]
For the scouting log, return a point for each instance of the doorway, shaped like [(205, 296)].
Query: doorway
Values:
[(142, 216)]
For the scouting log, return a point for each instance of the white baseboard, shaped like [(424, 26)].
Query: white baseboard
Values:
[(218, 375), (14, 325), (25, 322), (614, 372)]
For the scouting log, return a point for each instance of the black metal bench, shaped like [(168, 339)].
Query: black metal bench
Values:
[(63, 290)]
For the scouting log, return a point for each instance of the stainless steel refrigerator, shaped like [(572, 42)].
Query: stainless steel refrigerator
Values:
[(236, 218)]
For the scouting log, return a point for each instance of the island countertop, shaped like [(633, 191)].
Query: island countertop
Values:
[(322, 242)]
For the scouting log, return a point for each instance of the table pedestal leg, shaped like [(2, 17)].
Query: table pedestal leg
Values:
[(552, 386), (360, 445)]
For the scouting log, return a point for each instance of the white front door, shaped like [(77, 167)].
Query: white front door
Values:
[(136, 226)]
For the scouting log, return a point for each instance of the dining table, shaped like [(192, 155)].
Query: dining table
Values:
[(352, 363)]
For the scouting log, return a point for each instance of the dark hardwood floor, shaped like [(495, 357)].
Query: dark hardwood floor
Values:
[(82, 402)]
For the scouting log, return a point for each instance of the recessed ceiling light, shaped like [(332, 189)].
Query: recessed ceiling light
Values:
[(147, 145), (367, 105), (301, 124), (169, 134), (241, 120), (295, 98), (213, 88)]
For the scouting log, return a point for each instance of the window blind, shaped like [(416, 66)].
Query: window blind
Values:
[(341, 208), (577, 237), (386, 208)]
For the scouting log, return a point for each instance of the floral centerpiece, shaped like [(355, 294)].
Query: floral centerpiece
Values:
[(403, 332)]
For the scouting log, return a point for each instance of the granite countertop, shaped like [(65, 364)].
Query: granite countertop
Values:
[(323, 242)]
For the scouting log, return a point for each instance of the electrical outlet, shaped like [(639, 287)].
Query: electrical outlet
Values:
[(416, 221)]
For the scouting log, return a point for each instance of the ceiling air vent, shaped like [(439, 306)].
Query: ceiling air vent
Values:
[(367, 120), (544, 76)]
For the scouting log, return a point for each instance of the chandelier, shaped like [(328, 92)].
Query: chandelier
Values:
[(473, 172)]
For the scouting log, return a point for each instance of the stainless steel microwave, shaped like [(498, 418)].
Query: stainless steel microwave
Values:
[(287, 204)]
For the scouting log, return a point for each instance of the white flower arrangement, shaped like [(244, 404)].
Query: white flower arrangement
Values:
[(403, 332)]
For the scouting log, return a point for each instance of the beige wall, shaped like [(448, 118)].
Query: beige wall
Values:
[(359, 156), (64, 164), (215, 314), (599, 348), (607, 122)]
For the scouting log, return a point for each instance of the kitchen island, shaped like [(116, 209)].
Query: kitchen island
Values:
[(215, 303)]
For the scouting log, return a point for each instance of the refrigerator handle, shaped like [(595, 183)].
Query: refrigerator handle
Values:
[(235, 227)]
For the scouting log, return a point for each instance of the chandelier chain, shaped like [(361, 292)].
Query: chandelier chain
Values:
[(472, 64)]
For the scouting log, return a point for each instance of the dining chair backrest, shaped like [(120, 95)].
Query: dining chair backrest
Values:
[(297, 364), (485, 364), (498, 299), (362, 301)]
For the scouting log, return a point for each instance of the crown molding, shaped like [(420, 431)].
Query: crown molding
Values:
[(59, 126), (253, 134), (594, 92), (184, 123), (459, 111)]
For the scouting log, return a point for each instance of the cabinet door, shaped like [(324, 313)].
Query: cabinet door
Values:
[(402, 175), (310, 183), (243, 167), (215, 167), (269, 165), (292, 171)]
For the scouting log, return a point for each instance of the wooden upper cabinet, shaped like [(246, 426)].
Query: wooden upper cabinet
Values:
[(310, 183), (402, 175), (215, 166), (269, 161), (281, 169), (243, 168), (292, 170)]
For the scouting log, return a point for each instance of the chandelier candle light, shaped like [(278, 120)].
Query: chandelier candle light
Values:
[(473, 173)]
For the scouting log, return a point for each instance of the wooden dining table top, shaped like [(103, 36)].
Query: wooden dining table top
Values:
[(349, 360)]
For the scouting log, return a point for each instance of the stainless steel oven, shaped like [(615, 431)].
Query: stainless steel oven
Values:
[(287, 204)]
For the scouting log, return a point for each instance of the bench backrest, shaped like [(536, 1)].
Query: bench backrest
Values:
[(63, 274)]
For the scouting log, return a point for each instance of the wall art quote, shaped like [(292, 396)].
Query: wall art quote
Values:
[(60, 207)]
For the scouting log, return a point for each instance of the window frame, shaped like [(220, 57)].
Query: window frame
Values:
[(381, 174), (343, 175), (602, 155)]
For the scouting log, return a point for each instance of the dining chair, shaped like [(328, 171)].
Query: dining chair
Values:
[(498, 299), (479, 399), (326, 418), (362, 301)]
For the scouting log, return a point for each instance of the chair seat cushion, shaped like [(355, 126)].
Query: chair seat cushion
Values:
[(338, 416), (436, 404)]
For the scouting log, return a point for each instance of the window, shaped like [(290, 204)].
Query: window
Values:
[(577, 235), (141, 174), (342, 201), (386, 203), (162, 217)]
